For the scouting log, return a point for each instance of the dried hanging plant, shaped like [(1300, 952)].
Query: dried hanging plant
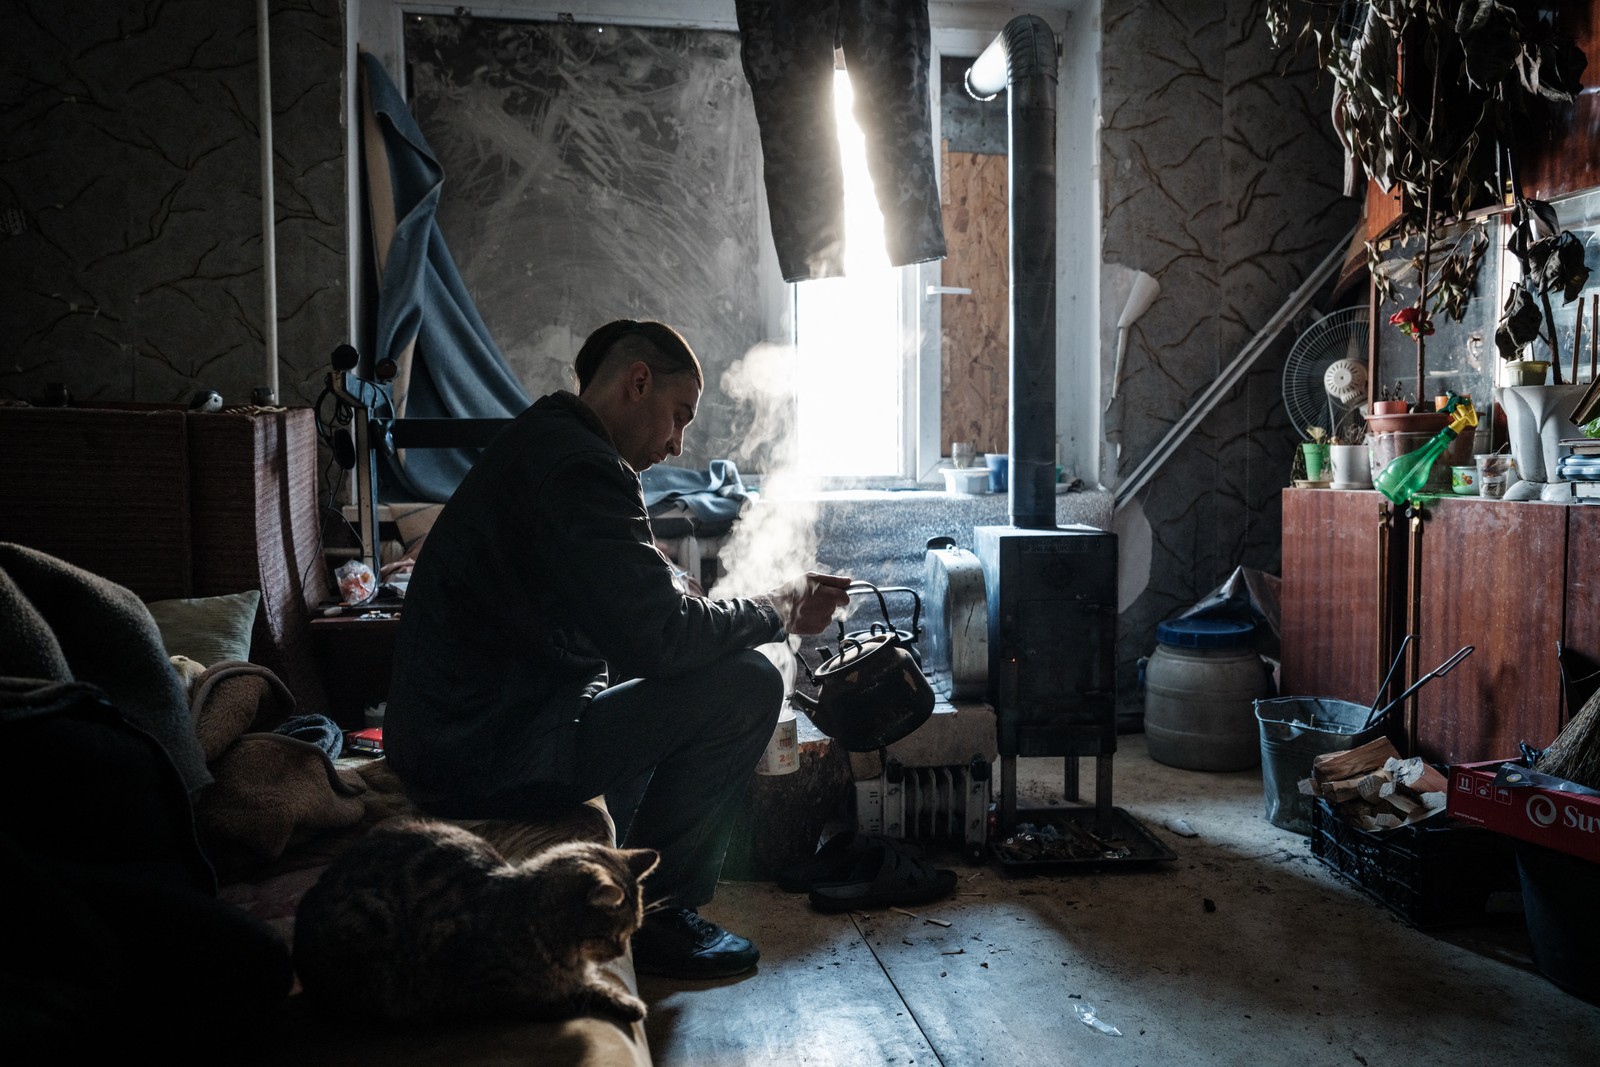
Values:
[(1474, 70), (1551, 259), (1454, 262)]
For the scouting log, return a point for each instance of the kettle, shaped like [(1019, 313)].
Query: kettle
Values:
[(872, 693), (908, 638)]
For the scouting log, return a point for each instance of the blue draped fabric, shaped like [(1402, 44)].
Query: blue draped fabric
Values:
[(715, 497), (456, 370)]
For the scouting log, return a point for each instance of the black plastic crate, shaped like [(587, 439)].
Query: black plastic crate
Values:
[(1439, 873)]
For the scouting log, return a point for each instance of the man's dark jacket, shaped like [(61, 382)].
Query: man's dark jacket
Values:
[(538, 584)]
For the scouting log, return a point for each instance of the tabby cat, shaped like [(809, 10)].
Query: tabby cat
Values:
[(420, 921)]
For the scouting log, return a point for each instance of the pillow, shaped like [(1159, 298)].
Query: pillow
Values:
[(207, 629)]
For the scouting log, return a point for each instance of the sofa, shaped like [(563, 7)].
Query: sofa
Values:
[(170, 924)]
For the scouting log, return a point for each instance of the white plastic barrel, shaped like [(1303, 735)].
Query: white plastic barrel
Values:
[(1200, 689)]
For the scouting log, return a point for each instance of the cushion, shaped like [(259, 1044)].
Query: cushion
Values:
[(207, 629)]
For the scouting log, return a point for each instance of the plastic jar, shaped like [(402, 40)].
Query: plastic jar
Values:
[(1201, 685)]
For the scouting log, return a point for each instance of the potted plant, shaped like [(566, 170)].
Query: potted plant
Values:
[(1349, 458), (1315, 454)]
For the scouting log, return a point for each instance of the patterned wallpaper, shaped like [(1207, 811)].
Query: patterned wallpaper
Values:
[(130, 198), (1221, 179)]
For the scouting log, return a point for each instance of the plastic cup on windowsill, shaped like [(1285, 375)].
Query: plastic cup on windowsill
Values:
[(999, 464)]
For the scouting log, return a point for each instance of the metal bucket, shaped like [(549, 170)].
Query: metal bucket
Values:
[(1295, 731)]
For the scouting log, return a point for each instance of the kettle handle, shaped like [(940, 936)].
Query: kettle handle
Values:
[(826, 657), (916, 602)]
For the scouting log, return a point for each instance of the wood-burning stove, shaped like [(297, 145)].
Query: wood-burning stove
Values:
[(1052, 649)]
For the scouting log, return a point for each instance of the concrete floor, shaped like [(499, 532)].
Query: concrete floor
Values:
[(1288, 964)]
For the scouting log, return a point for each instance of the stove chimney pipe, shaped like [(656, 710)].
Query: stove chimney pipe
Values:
[(1023, 59)]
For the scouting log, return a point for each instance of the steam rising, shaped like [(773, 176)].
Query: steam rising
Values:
[(776, 540)]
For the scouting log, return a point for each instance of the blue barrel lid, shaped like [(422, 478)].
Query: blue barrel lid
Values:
[(1205, 633)]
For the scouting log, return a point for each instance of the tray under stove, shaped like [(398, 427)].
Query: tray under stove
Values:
[(1077, 839)]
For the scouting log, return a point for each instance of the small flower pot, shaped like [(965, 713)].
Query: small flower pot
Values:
[(1316, 455), (1351, 465), (1527, 372)]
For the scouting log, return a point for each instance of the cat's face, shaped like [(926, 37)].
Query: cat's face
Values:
[(605, 884)]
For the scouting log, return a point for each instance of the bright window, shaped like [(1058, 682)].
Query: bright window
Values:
[(851, 350)]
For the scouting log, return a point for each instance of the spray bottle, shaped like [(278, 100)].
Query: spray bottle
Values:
[(1405, 475)]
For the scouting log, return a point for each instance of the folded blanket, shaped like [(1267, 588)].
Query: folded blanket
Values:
[(270, 789), (233, 697)]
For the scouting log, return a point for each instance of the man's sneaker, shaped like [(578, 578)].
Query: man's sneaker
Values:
[(678, 943)]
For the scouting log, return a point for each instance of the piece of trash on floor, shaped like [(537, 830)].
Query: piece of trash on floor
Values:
[(1182, 828), (1208, 904), (924, 918), (1085, 1012)]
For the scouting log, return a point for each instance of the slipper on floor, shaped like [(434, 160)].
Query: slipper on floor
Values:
[(834, 858), (837, 859), (882, 876)]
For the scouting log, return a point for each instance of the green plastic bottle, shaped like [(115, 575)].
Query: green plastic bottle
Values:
[(1405, 475)]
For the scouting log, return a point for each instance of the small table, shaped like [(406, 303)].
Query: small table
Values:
[(355, 655)]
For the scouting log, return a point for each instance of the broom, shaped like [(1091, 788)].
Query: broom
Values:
[(1575, 753)]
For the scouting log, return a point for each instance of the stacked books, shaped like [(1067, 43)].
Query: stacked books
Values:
[(1580, 467)]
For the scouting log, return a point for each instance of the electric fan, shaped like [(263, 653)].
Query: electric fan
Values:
[(1325, 374)]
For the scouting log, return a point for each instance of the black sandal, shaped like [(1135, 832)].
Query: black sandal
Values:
[(834, 858), (880, 876)]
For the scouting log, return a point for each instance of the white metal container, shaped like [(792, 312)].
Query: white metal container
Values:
[(955, 646)]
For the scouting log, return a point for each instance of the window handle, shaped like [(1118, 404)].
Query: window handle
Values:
[(947, 290)]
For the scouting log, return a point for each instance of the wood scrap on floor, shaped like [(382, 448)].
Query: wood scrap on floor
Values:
[(1373, 788)]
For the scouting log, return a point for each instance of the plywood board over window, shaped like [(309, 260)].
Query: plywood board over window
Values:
[(975, 328)]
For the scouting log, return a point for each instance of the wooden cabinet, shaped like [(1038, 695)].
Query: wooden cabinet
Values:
[(1512, 579), (1490, 574), (1339, 597)]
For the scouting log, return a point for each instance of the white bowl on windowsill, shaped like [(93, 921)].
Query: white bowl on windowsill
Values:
[(969, 480)]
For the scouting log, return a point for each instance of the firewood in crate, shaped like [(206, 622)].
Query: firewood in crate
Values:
[(1341, 792), (1408, 805), (1373, 788), (1377, 786), (1353, 762), (1419, 776)]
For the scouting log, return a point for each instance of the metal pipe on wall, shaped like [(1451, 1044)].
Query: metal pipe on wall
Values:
[(269, 212), (1022, 60)]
